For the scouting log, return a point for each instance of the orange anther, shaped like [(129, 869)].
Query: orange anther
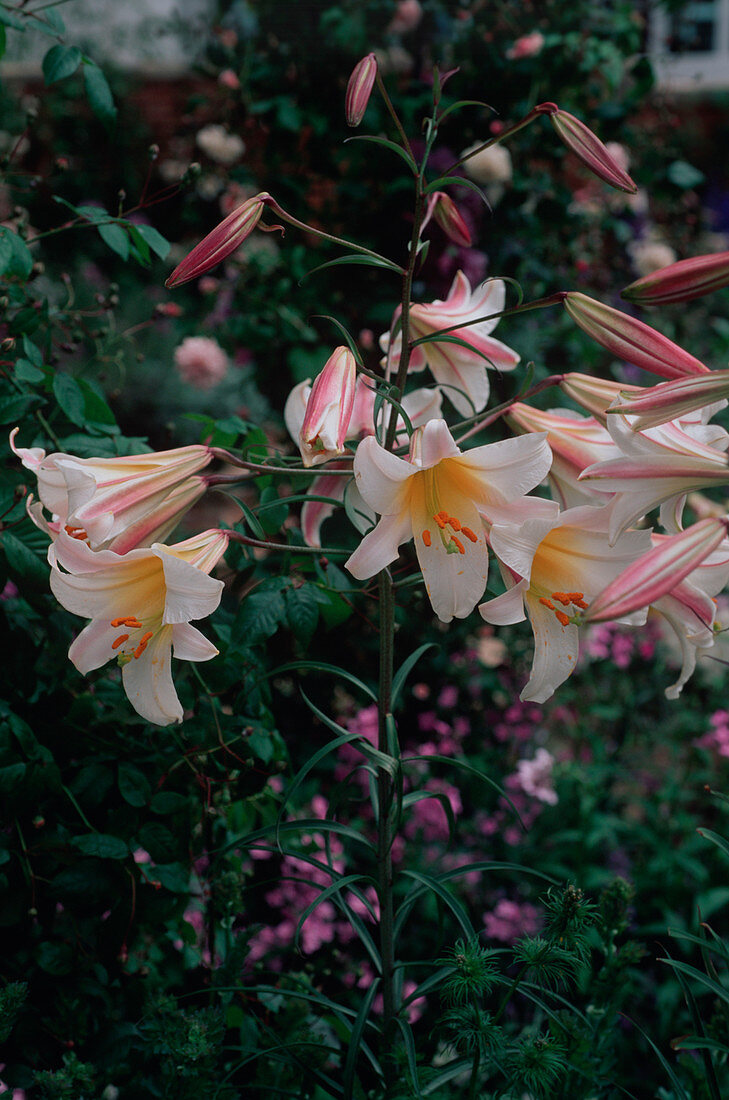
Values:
[(561, 617), (426, 537), (469, 534), (547, 603), (562, 598), (575, 596), (459, 544), (454, 523), (119, 622), (581, 603), (142, 644), (119, 641), (439, 520), (443, 515), (76, 532)]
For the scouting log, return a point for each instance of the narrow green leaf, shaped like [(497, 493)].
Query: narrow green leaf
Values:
[(11, 20), (681, 1093), (70, 397), (464, 766), (715, 838), (159, 244), (349, 339), (98, 93), (387, 144), (101, 845), (60, 62), (357, 259), (355, 1040), (380, 759), (324, 894), (116, 238), (407, 1033), (699, 977), (434, 886), (322, 666), (463, 103), (307, 824), (406, 668)]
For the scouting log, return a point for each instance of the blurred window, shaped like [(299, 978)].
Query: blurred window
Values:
[(689, 44)]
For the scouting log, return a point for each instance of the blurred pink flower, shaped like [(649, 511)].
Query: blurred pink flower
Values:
[(201, 362), (229, 79), (408, 14), (510, 920), (529, 45), (535, 777)]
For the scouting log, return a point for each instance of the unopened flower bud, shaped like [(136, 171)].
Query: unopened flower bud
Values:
[(593, 394), (630, 339), (223, 240), (658, 572), (359, 89), (671, 400), (449, 218), (682, 281), (329, 409), (588, 148)]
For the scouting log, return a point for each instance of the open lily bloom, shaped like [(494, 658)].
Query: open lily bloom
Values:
[(460, 370), (104, 499), (553, 566), (576, 442), (435, 497), (658, 466), (140, 606), (420, 406)]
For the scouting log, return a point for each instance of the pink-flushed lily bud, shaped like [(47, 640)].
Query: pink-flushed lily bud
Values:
[(359, 89), (630, 339), (223, 240), (659, 571), (329, 409), (444, 211), (587, 146), (116, 503), (673, 400), (680, 282), (594, 395)]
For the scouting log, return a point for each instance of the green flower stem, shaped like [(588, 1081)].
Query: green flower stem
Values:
[(473, 1080), (534, 113), (274, 206), (407, 285), (539, 303), (384, 823), (261, 468), (476, 423), (393, 114), (320, 551)]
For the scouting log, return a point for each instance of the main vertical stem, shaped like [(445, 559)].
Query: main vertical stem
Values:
[(384, 823)]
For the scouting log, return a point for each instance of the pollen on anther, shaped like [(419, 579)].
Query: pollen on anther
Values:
[(547, 603), (142, 645), (426, 537), (562, 618), (119, 641), (459, 545), (443, 515), (562, 598), (469, 534), (439, 520), (581, 604), (454, 523)]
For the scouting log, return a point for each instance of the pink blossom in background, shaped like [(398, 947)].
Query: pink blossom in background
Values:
[(717, 737), (510, 920), (9, 592), (534, 777), (529, 45), (408, 14), (518, 722), (229, 79), (201, 362)]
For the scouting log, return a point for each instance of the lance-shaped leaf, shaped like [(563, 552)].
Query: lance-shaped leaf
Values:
[(682, 281), (671, 400), (630, 339), (590, 150), (223, 240), (658, 572)]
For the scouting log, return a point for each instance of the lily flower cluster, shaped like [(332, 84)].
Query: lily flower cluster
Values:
[(562, 507), (109, 563)]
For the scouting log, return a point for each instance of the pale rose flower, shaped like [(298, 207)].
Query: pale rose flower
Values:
[(408, 14), (492, 165), (649, 256), (529, 45), (201, 362), (220, 145), (394, 61), (229, 79)]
